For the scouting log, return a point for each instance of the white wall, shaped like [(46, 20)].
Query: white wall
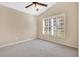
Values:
[(16, 26), (70, 10)]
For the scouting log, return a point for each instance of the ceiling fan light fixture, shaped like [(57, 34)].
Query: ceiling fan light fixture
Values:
[(37, 9), (34, 5)]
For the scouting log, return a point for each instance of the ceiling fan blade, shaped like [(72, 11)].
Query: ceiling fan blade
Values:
[(42, 4), (28, 6)]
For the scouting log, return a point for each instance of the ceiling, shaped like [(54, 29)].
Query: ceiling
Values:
[(31, 10)]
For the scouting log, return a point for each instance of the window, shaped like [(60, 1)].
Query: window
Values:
[(47, 26), (54, 26)]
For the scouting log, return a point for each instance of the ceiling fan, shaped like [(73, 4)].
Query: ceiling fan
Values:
[(35, 5)]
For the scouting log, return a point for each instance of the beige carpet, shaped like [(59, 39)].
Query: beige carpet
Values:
[(38, 48)]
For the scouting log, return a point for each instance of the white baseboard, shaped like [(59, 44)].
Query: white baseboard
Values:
[(14, 43), (62, 43)]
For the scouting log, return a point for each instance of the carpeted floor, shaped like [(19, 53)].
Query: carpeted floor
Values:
[(38, 48)]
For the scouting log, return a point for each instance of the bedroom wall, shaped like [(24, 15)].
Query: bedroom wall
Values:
[(78, 28), (16, 26), (70, 10)]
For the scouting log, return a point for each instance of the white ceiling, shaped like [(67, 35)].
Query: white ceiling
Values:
[(21, 7)]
